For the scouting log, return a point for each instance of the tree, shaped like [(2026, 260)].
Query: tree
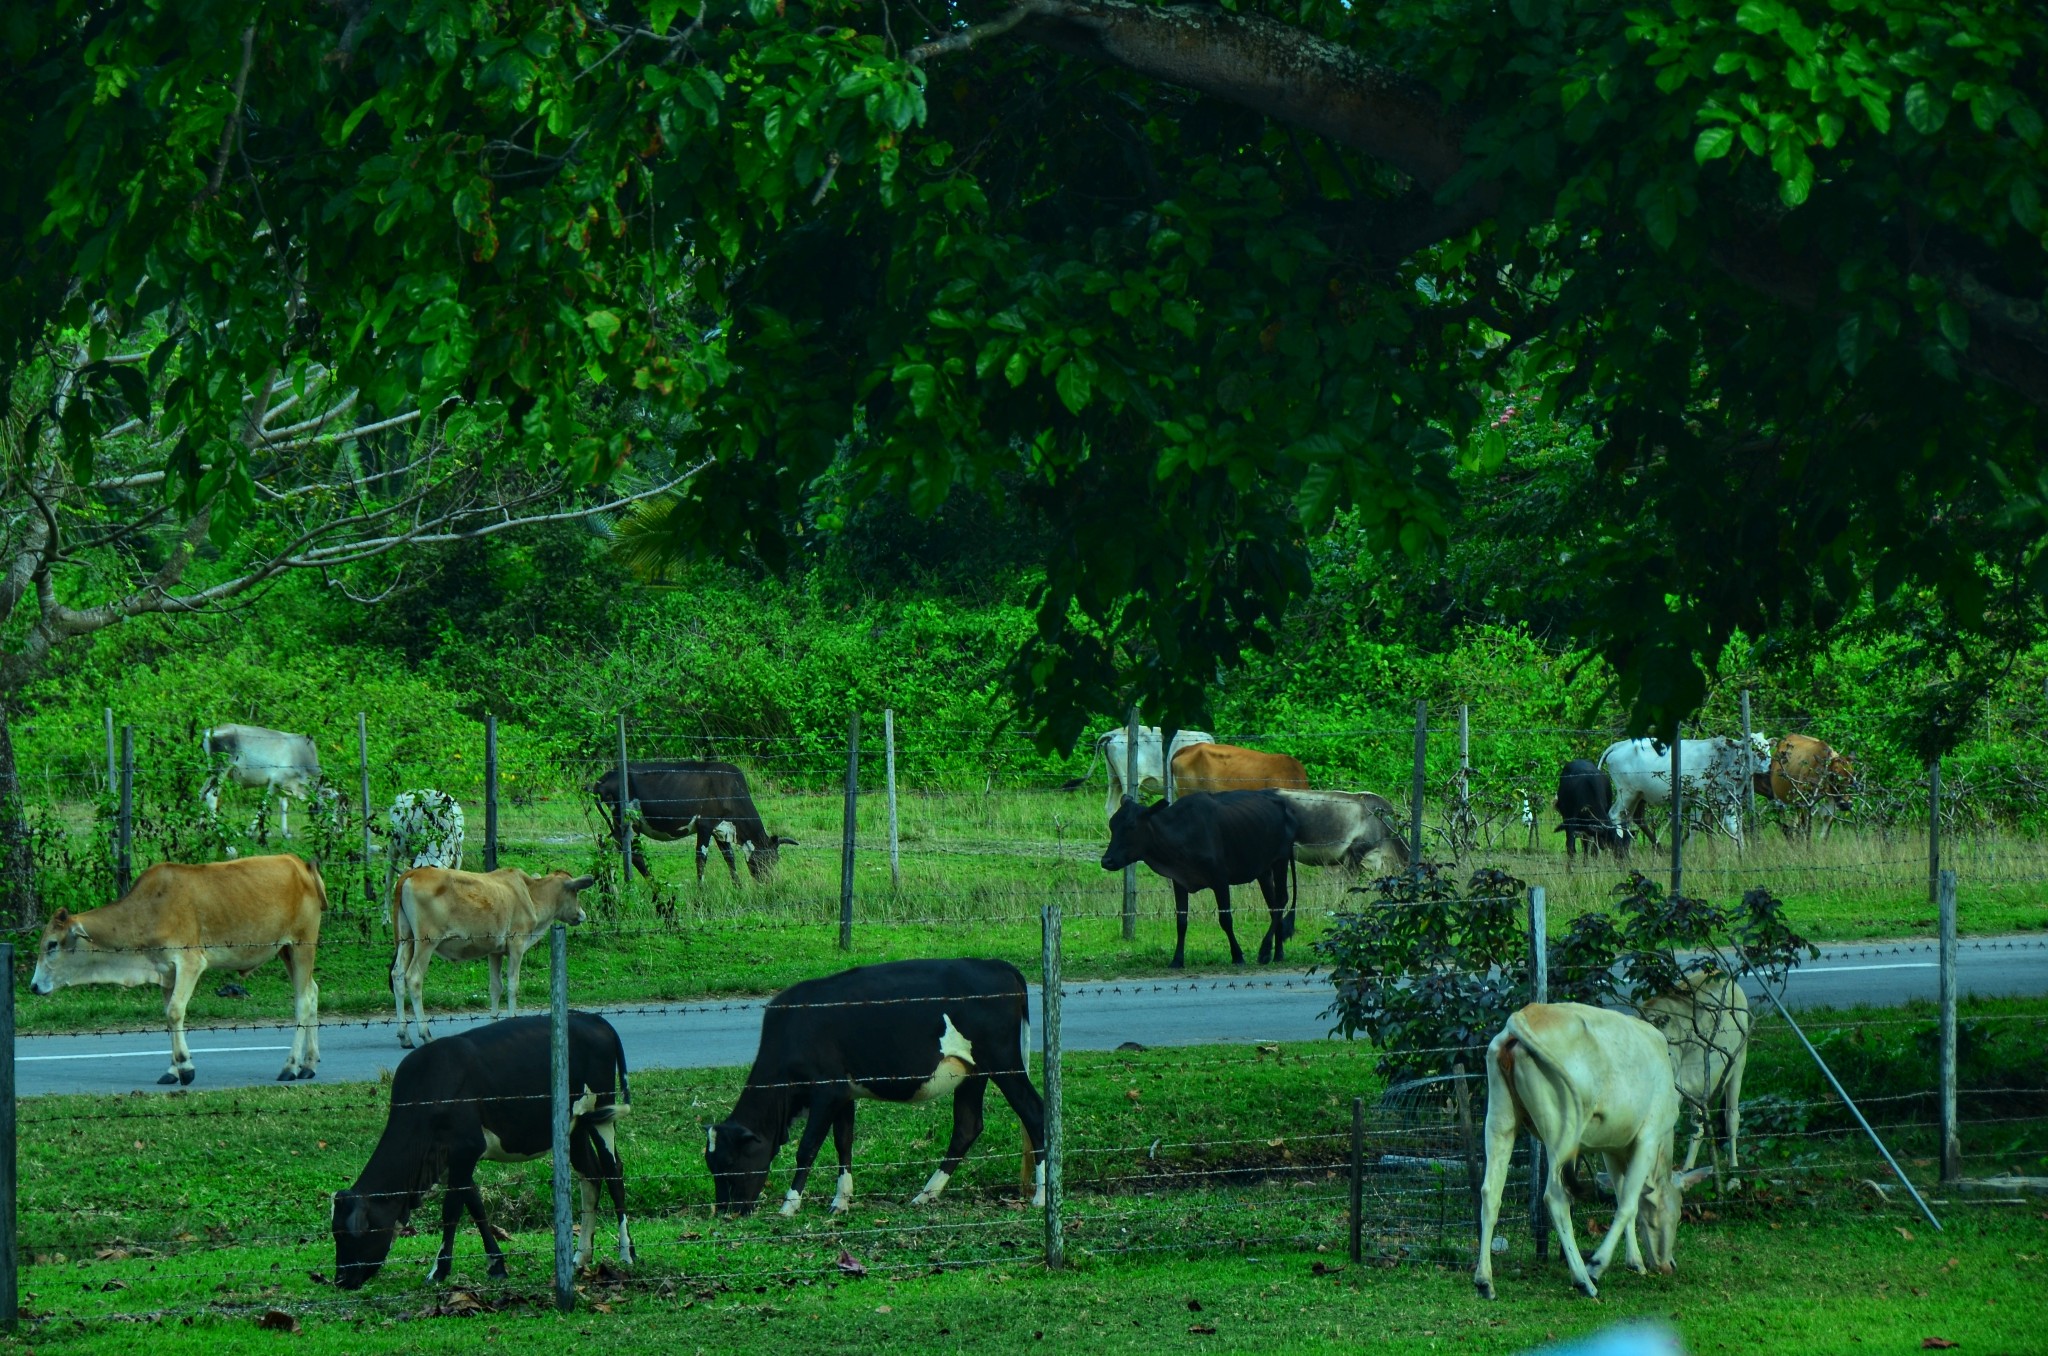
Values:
[(1177, 282)]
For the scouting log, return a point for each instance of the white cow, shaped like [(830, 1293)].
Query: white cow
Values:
[(426, 830), (1706, 1020), (1583, 1078), (1110, 747), (271, 759), (1714, 772)]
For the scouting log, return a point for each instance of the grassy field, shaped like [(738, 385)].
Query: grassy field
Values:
[(1206, 1190), (976, 869)]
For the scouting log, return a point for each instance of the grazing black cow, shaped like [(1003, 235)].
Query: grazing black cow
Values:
[(1212, 842), (484, 1094), (905, 1031), (1585, 808), (709, 800)]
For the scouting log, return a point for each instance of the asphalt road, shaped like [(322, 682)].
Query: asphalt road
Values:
[(1201, 1010)]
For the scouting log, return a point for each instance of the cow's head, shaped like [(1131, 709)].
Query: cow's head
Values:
[(61, 958), (1127, 835), (762, 860), (362, 1239), (1657, 1213), (738, 1157), (1841, 780), (558, 891)]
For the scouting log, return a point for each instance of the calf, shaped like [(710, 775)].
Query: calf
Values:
[(1581, 1078), (461, 915), (485, 1094), (426, 830), (1585, 809), (271, 759), (709, 800), (1706, 1021), (905, 1031), (1212, 842), (178, 922), (1345, 828)]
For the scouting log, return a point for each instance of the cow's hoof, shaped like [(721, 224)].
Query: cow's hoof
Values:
[(1588, 1289), (436, 1274), (288, 1075), (1485, 1289), (168, 1079), (308, 1073), (498, 1271), (185, 1076)]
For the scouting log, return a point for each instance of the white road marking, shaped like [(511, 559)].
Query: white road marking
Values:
[(156, 1054), (1844, 969)]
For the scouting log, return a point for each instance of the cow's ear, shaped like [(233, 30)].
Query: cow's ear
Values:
[(784, 840), (1686, 1181), (710, 1139), (580, 883), (62, 918), (358, 1221), (78, 931)]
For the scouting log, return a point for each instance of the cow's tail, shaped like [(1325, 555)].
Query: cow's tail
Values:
[(624, 1103), (1028, 1158), (1293, 895), (1522, 1047)]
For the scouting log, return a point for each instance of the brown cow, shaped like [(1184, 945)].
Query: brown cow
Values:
[(1808, 775), (461, 915), (180, 921), (1226, 767)]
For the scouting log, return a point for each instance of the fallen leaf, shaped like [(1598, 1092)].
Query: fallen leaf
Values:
[(849, 1265), (1951, 1264), (1937, 1344), (138, 1146), (882, 1309), (601, 1306), (1904, 1232), (1132, 1095), (1203, 1329), (1276, 1143), (277, 1320)]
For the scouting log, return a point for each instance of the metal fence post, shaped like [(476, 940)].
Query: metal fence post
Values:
[(1677, 808), (363, 765), (1934, 832), (124, 827), (1539, 992), (1748, 783), (10, 1260), (558, 1096), (1951, 1136), (1054, 1148), (1357, 1179), (889, 766), (490, 793), (846, 834), (1420, 785), (625, 819), (1131, 798)]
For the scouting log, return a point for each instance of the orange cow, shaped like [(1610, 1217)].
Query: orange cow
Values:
[(1226, 767)]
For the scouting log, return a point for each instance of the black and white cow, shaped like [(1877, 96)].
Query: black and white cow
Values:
[(905, 1031), (1212, 842), (1585, 808), (1346, 829), (483, 1094), (710, 800), (273, 760)]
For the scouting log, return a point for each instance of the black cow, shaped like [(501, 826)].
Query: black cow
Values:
[(1585, 804), (484, 1094), (709, 800), (1212, 842), (905, 1031)]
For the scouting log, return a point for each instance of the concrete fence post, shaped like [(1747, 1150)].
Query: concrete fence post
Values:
[(1934, 832), (1951, 1134)]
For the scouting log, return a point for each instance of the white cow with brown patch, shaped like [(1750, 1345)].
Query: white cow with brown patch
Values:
[(1585, 1078), (1706, 1020), (467, 915), (178, 922)]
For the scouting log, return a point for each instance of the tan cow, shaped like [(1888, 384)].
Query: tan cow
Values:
[(462, 915), (178, 922), (1808, 775), (1706, 1020), (1583, 1078), (1226, 767)]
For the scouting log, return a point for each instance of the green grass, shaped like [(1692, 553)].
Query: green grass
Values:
[(976, 871)]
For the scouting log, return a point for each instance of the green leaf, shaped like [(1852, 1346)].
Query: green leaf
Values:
[(2025, 200), (1926, 111), (1179, 315), (604, 324), (1660, 213), (2025, 123), (924, 384), (1849, 345), (1758, 16), (1074, 386), (1954, 323), (1712, 144)]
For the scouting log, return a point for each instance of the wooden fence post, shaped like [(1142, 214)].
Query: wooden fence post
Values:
[(1054, 1148), (558, 1098), (1934, 832), (625, 819), (363, 765), (846, 834), (889, 765), (1677, 808), (1951, 1134), (1748, 783), (10, 1259), (124, 827), (490, 793), (1539, 992), (1131, 798), (1464, 816), (1419, 786), (1357, 1179)]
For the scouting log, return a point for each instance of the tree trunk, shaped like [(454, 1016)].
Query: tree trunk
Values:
[(18, 902)]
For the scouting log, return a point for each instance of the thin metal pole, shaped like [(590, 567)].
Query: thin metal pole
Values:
[(846, 834), (1131, 798), (1357, 1179), (363, 764), (10, 1258), (1539, 992), (1748, 783), (490, 793), (558, 1095), (124, 828), (1419, 785), (625, 819), (1934, 832), (1843, 1093), (1054, 1148), (1951, 1132), (1677, 810), (889, 759)]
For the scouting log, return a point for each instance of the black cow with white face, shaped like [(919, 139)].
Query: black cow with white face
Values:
[(1585, 808), (905, 1031), (705, 799), (483, 1094), (1212, 842)]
